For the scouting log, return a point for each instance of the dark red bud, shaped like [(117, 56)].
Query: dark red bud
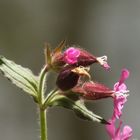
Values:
[(93, 91), (67, 79), (57, 61), (85, 58), (96, 91)]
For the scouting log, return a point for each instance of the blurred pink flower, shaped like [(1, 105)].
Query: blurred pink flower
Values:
[(119, 102), (120, 94), (116, 134), (71, 55), (120, 86)]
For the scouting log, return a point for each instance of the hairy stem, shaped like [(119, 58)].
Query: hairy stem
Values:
[(43, 124), (42, 84), (42, 112)]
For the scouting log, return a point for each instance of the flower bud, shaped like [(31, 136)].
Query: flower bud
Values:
[(67, 79), (72, 56), (93, 91), (78, 57), (57, 61), (54, 59), (69, 76)]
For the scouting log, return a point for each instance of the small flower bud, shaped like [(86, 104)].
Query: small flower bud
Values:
[(54, 59), (69, 76), (78, 57), (85, 58), (67, 79), (73, 57), (57, 61), (93, 91)]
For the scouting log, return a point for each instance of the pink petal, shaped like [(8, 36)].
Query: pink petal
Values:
[(115, 133), (121, 88), (124, 76), (127, 132), (71, 55), (119, 102), (111, 128), (106, 66), (118, 131)]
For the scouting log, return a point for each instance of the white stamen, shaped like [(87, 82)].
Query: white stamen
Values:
[(102, 60)]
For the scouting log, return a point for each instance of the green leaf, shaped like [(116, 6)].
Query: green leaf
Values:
[(21, 77), (78, 107)]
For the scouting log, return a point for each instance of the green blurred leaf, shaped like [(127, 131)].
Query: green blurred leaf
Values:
[(77, 106), (21, 77)]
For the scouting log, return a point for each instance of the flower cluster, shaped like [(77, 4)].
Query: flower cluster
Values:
[(74, 86), (73, 67), (76, 62)]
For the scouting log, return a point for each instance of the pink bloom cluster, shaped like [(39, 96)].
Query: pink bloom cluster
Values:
[(76, 60), (120, 98)]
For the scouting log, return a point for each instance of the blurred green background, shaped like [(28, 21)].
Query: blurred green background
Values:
[(104, 27)]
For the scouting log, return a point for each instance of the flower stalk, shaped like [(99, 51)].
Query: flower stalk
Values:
[(43, 124), (42, 111)]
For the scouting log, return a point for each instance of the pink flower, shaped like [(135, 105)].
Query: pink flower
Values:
[(116, 134), (120, 94), (120, 97), (120, 86), (119, 102), (71, 55)]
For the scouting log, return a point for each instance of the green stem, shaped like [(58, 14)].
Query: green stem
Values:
[(43, 124), (42, 84), (41, 92)]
